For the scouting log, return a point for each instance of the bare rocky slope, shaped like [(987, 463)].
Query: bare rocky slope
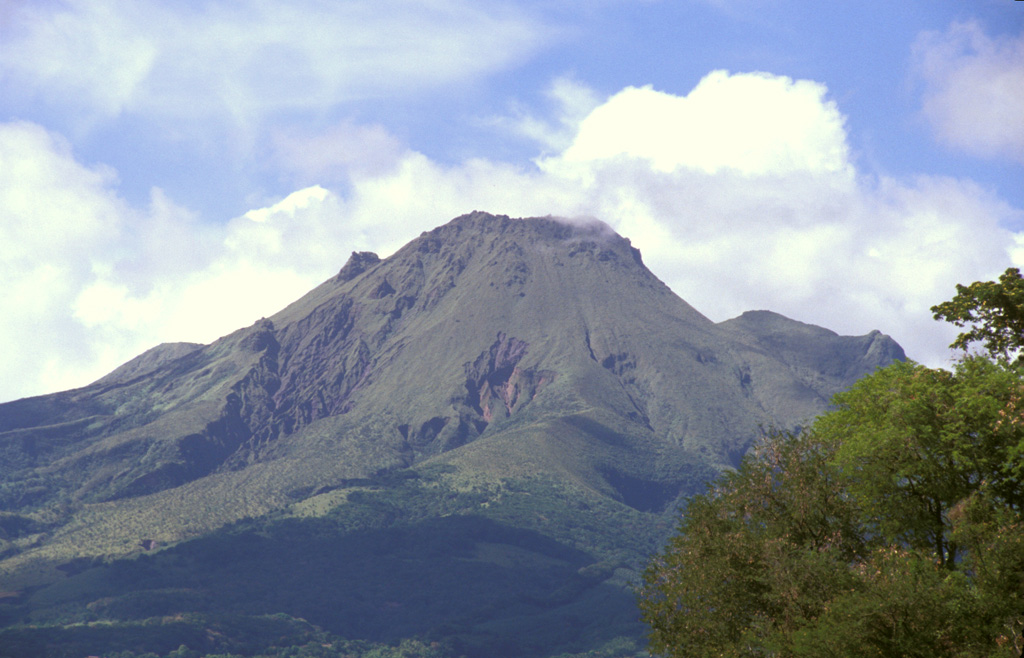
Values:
[(488, 351)]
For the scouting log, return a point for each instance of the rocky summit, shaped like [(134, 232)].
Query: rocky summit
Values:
[(470, 423)]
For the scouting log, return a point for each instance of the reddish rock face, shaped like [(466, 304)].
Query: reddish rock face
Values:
[(495, 385)]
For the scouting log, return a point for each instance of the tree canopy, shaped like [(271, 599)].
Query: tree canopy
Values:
[(993, 311), (894, 526)]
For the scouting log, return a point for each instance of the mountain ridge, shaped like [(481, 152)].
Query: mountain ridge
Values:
[(314, 360)]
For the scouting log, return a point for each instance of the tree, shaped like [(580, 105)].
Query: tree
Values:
[(916, 442), (932, 458), (757, 555), (893, 527), (900, 606), (784, 558), (993, 310)]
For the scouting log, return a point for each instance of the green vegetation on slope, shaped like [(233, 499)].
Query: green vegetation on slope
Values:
[(497, 568)]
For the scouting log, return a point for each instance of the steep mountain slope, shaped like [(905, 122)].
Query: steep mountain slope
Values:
[(495, 360)]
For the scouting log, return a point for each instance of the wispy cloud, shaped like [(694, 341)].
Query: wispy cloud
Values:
[(974, 89), (334, 155), (570, 102), (244, 62)]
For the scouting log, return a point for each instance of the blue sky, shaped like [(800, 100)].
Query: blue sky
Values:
[(173, 171)]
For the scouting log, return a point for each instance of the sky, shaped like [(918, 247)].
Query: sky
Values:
[(173, 171)]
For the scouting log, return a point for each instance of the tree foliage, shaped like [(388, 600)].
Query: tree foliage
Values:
[(916, 442), (811, 549), (993, 311), (893, 527), (760, 553)]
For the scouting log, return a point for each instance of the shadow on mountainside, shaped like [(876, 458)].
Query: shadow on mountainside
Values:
[(484, 587)]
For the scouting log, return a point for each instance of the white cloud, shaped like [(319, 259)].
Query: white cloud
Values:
[(89, 281), (784, 223), (244, 62), (974, 89), (737, 209), (572, 102), (57, 216), (755, 123)]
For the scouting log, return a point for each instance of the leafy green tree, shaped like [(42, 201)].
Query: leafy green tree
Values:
[(916, 442), (756, 556), (893, 527), (993, 311), (902, 604)]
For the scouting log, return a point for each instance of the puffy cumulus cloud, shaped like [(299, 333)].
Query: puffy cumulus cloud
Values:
[(754, 123), (88, 281), (245, 61), (742, 195), (94, 281), (974, 89), (60, 223)]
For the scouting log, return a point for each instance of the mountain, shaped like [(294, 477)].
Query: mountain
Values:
[(444, 444)]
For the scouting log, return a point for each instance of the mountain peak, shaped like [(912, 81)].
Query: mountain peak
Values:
[(498, 347), (532, 230)]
